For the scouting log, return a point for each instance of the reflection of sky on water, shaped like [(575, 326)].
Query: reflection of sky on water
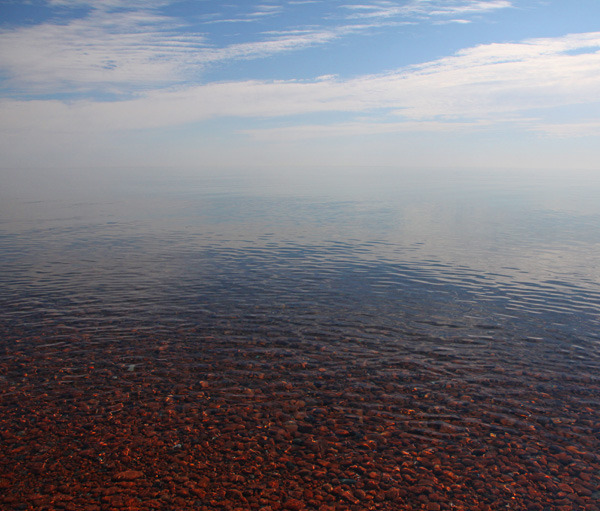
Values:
[(450, 253)]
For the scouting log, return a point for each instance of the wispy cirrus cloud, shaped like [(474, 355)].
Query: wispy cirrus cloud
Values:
[(123, 47), (449, 21), (101, 49), (255, 14), (120, 47), (275, 42), (116, 50), (265, 10), (476, 87), (470, 7), (108, 5), (417, 8)]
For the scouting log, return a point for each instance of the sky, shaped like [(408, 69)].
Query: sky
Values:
[(291, 83)]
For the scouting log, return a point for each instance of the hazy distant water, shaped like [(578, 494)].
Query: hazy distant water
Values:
[(479, 263)]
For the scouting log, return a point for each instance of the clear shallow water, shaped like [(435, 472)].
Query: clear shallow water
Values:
[(471, 299)]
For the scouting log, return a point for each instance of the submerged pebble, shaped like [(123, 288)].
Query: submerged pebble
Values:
[(186, 434)]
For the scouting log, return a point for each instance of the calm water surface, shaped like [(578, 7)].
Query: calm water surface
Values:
[(489, 281), (502, 259)]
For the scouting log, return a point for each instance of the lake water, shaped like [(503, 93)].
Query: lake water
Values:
[(300, 339)]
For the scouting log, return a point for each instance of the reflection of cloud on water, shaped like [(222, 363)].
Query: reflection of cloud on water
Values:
[(398, 246)]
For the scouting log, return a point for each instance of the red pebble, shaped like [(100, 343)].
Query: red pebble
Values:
[(128, 475), (294, 505)]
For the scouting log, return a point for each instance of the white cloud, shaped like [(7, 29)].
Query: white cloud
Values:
[(283, 41), (377, 10), (458, 21), (124, 51), (123, 46), (130, 48), (107, 5), (420, 8), (469, 7), (474, 87), (256, 14), (496, 78), (266, 10)]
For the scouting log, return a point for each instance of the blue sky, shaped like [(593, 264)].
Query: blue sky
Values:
[(455, 83)]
